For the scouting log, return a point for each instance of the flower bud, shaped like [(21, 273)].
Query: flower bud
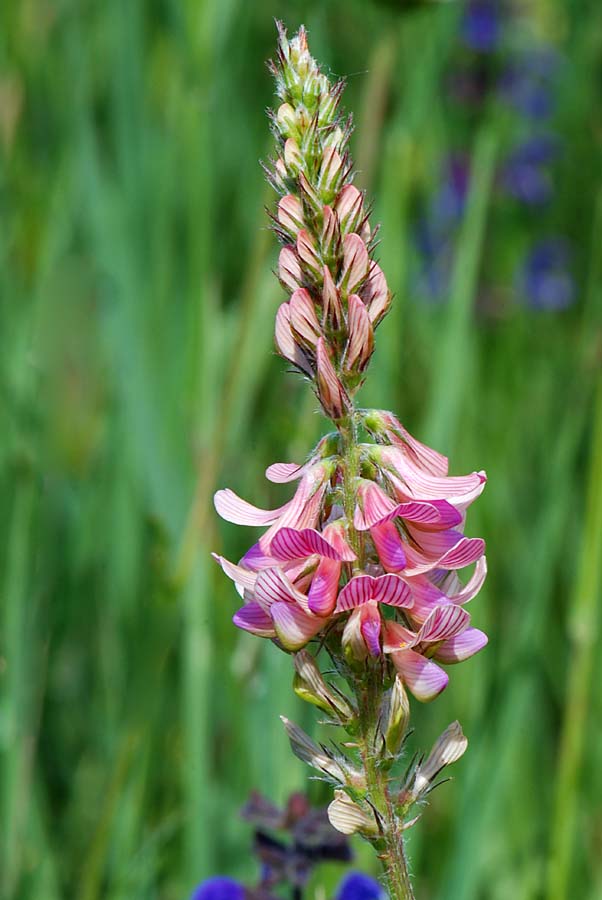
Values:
[(360, 344), (331, 300), (447, 750), (331, 392), (310, 686), (309, 752), (330, 233), (292, 156), (395, 717), (349, 818), (355, 263), (308, 254), (289, 268), (349, 207), (304, 322), (290, 213), (286, 120), (330, 172)]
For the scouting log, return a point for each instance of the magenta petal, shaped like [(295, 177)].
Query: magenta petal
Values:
[(389, 546), (355, 593), (462, 646), (466, 551), (392, 590), (293, 626), (234, 509), (373, 505), (272, 586), (253, 618), (444, 622), (280, 473), (474, 585), (370, 627), (322, 595), (255, 559), (289, 543), (433, 514), (424, 678)]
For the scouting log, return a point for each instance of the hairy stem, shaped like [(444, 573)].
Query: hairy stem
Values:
[(389, 845)]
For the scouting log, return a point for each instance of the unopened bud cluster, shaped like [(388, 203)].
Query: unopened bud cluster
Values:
[(338, 293)]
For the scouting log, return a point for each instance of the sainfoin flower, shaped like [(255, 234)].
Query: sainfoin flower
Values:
[(317, 571)]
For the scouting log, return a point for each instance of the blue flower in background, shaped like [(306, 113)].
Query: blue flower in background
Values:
[(481, 25), (529, 81), (219, 888), (525, 174), (545, 279), (357, 886)]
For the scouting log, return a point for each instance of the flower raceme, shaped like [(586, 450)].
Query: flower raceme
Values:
[(381, 582)]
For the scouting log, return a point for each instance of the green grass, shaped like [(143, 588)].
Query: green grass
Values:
[(137, 375)]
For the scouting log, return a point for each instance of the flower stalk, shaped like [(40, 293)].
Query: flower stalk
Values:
[(361, 564)]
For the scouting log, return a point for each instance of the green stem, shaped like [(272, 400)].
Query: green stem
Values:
[(389, 845)]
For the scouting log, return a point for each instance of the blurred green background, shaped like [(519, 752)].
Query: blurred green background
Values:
[(137, 375)]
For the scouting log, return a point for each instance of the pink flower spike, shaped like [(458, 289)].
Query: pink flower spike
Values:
[(322, 595), (423, 677), (360, 345), (285, 342), (293, 626), (355, 263), (443, 623), (373, 505), (280, 473), (389, 546), (370, 627), (461, 647), (289, 268), (251, 617), (234, 509), (289, 544)]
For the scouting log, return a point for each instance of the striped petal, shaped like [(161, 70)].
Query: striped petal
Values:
[(286, 343), (304, 322), (472, 586), (355, 263), (334, 533), (391, 590), (375, 294), (443, 623), (253, 618), (289, 268), (360, 345), (424, 678), (272, 586), (322, 596), (373, 505), (294, 627), (461, 647), (289, 543), (420, 454), (355, 593), (240, 576), (234, 509), (412, 482), (280, 473)]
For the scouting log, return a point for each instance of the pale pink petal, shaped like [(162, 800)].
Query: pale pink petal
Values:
[(285, 342), (290, 213), (330, 169), (330, 231), (304, 322), (331, 301), (373, 505), (370, 627), (375, 294), (355, 263), (334, 533), (322, 595), (472, 586), (396, 636), (238, 574), (360, 344), (349, 207), (294, 627), (280, 473), (289, 268), (306, 250), (422, 676), (461, 647), (356, 592), (332, 394), (392, 590), (234, 509), (444, 622), (289, 543), (389, 546), (352, 638), (423, 456), (251, 617), (412, 482)]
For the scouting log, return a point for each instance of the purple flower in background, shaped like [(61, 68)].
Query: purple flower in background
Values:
[(525, 174), (357, 886), (450, 200), (528, 82), (219, 888), (546, 280), (481, 24)]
